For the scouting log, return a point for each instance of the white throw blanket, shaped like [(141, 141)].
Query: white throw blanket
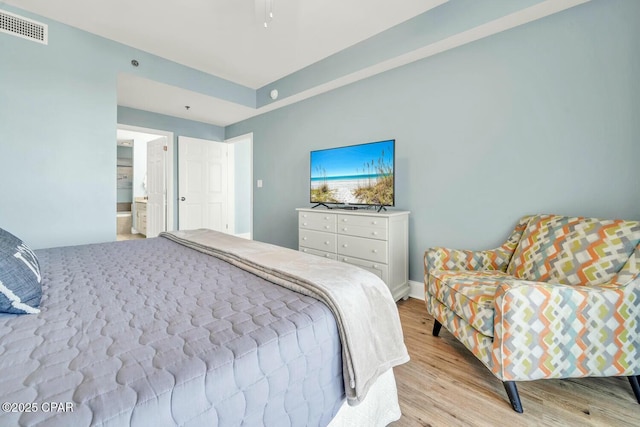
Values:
[(367, 316)]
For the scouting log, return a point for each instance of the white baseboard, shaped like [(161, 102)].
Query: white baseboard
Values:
[(417, 290), (244, 235)]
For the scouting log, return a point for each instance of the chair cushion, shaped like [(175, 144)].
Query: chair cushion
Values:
[(469, 294), (573, 250)]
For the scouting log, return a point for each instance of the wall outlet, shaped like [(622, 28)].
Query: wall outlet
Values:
[(259, 183)]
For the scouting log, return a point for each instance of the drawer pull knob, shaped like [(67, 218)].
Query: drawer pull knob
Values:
[(344, 219), (345, 259), (326, 243), (344, 229), (326, 217), (375, 251), (375, 233), (375, 266), (327, 255), (327, 227), (304, 250), (304, 238), (304, 223), (374, 222), (304, 216), (344, 246)]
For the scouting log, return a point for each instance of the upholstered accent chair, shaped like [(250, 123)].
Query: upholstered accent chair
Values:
[(560, 299)]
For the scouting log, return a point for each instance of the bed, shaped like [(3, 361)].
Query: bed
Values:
[(200, 328)]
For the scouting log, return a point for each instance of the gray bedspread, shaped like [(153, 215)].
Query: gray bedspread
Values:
[(367, 316), (153, 333)]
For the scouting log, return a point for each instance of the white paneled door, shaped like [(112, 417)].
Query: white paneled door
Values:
[(203, 184), (156, 186)]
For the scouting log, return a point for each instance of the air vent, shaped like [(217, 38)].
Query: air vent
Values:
[(26, 28)]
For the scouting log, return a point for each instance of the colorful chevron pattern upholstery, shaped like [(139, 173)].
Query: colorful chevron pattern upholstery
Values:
[(495, 259), (560, 299), (469, 294), (573, 251)]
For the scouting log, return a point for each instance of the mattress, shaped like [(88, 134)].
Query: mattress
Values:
[(149, 332)]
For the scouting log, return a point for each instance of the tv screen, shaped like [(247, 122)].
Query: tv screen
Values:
[(354, 175)]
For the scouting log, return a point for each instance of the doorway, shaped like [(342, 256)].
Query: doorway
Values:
[(145, 182), (243, 185)]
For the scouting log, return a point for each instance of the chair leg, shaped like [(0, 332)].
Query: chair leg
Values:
[(635, 385), (514, 397), (436, 328)]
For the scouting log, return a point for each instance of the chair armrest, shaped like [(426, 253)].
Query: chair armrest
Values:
[(544, 330), (460, 259)]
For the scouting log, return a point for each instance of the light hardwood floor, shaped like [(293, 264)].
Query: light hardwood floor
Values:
[(129, 236), (445, 385)]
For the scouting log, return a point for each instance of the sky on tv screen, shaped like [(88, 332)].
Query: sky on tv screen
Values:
[(352, 161)]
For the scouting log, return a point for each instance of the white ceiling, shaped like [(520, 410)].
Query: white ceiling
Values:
[(227, 38), (148, 95)]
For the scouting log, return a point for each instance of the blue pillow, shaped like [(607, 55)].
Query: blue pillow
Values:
[(20, 288)]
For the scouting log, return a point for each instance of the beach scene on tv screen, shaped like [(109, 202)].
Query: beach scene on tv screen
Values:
[(358, 174)]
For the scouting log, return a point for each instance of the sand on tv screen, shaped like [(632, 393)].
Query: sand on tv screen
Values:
[(354, 175)]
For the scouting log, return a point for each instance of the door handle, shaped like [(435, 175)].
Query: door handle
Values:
[(182, 199)]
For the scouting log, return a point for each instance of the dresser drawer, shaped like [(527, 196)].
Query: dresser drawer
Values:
[(379, 233), (379, 269), (359, 247), (323, 254), (317, 221), (363, 221), (325, 242), (363, 226)]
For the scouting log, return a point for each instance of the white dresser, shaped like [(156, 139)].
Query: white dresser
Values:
[(378, 242)]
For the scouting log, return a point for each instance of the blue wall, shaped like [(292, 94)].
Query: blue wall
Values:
[(57, 146), (541, 118), (58, 117)]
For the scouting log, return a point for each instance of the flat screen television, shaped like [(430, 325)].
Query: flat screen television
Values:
[(354, 175)]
